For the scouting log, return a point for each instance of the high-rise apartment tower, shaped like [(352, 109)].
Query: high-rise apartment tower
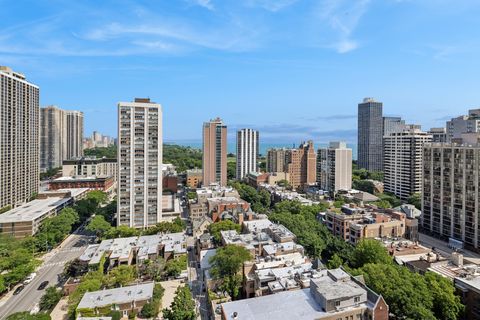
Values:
[(19, 138), (214, 152), (370, 135), (334, 167), (247, 152), (139, 163)]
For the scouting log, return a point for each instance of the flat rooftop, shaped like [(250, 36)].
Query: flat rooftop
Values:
[(297, 304), (81, 179), (33, 210), (139, 292)]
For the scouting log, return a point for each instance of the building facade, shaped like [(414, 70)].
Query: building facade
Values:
[(74, 134), (194, 178), (52, 133), (215, 152), (464, 124), (61, 136), (139, 163), (90, 167), (392, 124), (451, 192), (276, 160), (438, 134), (301, 165), (403, 155), (247, 152), (370, 135), (334, 167), (19, 138)]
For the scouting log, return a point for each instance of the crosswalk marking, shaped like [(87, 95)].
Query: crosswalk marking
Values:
[(53, 264)]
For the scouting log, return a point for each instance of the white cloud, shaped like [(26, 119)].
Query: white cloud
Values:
[(343, 17)]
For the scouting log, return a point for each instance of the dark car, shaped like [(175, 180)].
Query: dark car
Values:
[(43, 285), (18, 290)]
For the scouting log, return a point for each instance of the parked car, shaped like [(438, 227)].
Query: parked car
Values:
[(43, 285), (30, 277), (18, 290)]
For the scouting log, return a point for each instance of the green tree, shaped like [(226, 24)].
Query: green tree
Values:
[(177, 225), (416, 200), (226, 265), (391, 198), (108, 211), (152, 269), (215, 228), (149, 310), (27, 316), (231, 170), (182, 307), (181, 157), (446, 304), (406, 293), (75, 268), (335, 262), (98, 196), (364, 185), (121, 232), (98, 225), (85, 208), (100, 152), (50, 299), (120, 276), (174, 267), (370, 251), (50, 173), (383, 204), (3, 287)]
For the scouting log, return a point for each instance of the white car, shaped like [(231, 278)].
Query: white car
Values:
[(30, 277)]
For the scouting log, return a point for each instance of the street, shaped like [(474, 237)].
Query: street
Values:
[(50, 270), (195, 277), (442, 246)]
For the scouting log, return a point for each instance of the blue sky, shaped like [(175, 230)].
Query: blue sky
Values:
[(294, 69)]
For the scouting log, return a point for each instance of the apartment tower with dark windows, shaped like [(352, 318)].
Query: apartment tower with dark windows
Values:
[(370, 135), (214, 152)]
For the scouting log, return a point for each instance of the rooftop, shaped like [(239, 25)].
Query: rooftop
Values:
[(139, 292), (302, 304), (33, 210)]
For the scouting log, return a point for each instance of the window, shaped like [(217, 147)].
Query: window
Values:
[(337, 303), (356, 299)]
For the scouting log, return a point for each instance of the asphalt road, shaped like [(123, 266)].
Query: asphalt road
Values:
[(72, 248)]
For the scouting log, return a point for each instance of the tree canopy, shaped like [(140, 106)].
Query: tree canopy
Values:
[(226, 265), (411, 295), (215, 228), (182, 307)]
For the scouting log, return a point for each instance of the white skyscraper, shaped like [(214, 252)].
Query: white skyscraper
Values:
[(140, 163), (403, 155), (247, 152), (19, 138), (334, 167)]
